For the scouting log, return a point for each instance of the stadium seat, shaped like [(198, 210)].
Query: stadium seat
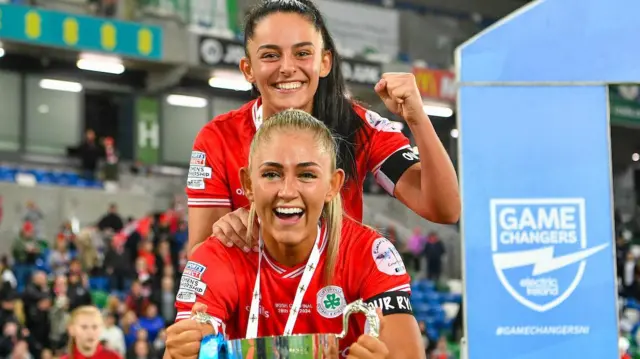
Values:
[(421, 308), (433, 334), (451, 298), (417, 295), (99, 283), (633, 304), (122, 295), (433, 298), (99, 298), (7, 174), (81, 182), (37, 173), (427, 285)]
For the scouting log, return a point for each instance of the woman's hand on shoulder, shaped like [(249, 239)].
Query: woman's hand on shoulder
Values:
[(231, 229)]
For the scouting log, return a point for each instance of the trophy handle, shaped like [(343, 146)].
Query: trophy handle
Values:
[(360, 307)]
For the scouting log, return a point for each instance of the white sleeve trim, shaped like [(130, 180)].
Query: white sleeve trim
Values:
[(208, 202), (401, 288), (381, 178)]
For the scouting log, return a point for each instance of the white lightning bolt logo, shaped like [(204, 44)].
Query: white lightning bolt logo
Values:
[(542, 259)]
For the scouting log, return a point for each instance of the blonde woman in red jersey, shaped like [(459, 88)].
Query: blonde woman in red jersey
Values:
[(292, 62), (312, 261), (85, 329)]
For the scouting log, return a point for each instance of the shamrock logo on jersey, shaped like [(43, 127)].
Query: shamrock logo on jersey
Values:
[(330, 301)]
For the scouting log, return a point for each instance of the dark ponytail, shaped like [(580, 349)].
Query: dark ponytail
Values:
[(330, 103)]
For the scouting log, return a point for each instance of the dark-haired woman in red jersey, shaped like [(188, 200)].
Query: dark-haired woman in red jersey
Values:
[(292, 62)]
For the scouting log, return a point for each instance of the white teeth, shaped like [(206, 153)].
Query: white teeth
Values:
[(289, 85), (289, 210)]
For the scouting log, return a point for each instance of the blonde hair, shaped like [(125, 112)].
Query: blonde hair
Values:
[(88, 310), (297, 120)]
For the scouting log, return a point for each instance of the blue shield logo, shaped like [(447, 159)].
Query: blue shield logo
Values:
[(540, 248)]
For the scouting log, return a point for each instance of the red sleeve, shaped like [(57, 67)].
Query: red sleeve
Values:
[(208, 278), (389, 151), (113, 355), (207, 182)]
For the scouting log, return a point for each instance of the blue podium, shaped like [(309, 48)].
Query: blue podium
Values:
[(535, 171)]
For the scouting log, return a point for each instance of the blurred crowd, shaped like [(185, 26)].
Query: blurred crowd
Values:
[(128, 268)]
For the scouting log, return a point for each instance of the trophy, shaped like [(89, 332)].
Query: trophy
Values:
[(298, 346)]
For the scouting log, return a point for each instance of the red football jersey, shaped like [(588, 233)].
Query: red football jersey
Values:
[(368, 267), (222, 148), (101, 353)]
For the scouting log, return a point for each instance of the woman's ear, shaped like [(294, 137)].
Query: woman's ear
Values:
[(245, 181), (245, 68), (327, 62), (337, 180)]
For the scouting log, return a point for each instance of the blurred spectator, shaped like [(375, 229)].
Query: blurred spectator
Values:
[(113, 335), (623, 347), (130, 328), (434, 250), (159, 343), (441, 351), (141, 334), (141, 350), (182, 259), (622, 249), (59, 314), (11, 335), (456, 330), (181, 236), (151, 322), (144, 276), (35, 293), (147, 255), (89, 153), (27, 247), (415, 246), (7, 309), (75, 267), (111, 220), (627, 274), (46, 354), (85, 330), (60, 258), (165, 299), (78, 291), (33, 215), (165, 258), (112, 307), (136, 300), (117, 266), (9, 282), (40, 327), (66, 232), (20, 351), (87, 250), (111, 159)]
